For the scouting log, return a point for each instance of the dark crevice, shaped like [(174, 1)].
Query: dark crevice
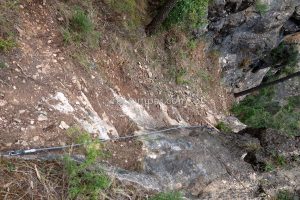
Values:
[(256, 165)]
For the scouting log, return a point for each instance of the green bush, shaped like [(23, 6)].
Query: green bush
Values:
[(80, 22), (261, 7), (260, 111), (287, 55), (167, 196), (6, 45), (84, 183), (190, 13), (80, 29), (223, 127), (285, 195)]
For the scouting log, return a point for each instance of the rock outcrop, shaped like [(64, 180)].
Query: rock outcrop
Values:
[(245, 31), (207, 164)]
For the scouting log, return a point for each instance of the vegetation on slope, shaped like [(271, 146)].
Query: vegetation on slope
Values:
[(260, 111)]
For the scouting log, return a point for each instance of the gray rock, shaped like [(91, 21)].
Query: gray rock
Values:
[(244, 34), (42, 117), (297, 13), (234, 124), (63, 125), (206, 164)]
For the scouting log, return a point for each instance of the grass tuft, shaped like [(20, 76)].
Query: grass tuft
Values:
[(80, 22), (261, 7), (223, 127), (6, 45), (285, 195), (84, 183), (188, 13), (80, 28)]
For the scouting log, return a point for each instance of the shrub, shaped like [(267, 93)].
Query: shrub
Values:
[(260, 111), (287, 56), (179, 75), (84, 183), (6, 45), (223, 127), (261, 7), (190, 13), (80, 29), (285, 195), (80, 22)]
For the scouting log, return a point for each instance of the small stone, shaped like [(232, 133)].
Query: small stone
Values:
[(24, 143), (17, 120), (117, 88), (23, 129), (2, 103), (42, 117), (178, 186), (63, 125), (22, 111), (60, 19), (32, 122), (8, 144), (36, 138), (149, 74)]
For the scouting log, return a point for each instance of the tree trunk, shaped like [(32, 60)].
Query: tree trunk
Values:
[(160, 17), (263, 85)]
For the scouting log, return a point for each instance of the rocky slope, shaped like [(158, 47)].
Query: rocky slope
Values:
[(245, 31), (46, 91)]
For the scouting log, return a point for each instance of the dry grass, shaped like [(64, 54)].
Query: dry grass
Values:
[(22, 179), (32, 179)]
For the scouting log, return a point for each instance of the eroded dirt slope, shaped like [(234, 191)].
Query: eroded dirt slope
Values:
[(44, 90)]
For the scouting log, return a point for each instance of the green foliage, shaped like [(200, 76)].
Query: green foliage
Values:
[(80, 29), (84, 183), (269, 167), (178, 75), (8, 19), (80, 22), (261, 7), (190, 13), (204, 75), (280, 160), (2, 65), (223, 127), (287, 55), (284, 195), (6, 45), (167, 196), (192, 44), (260, 111)]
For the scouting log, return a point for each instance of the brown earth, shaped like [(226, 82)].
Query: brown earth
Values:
[(133, 66)]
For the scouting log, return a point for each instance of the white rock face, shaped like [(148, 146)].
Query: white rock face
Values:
[(63, 105), (64, 125), (83, 112), (135, 112)]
